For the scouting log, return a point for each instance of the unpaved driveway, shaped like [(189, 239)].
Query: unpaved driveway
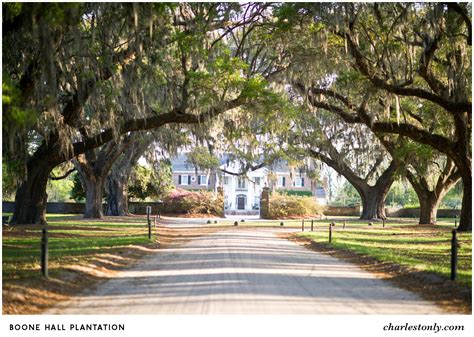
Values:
[(245, 271)]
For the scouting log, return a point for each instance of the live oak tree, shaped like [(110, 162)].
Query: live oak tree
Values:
[(89, 50), (115, 187), (372, 174), (416, 58), (154, 146), (353, 152), (430, 192), (67, 52), (437, 71), (116, 184), (435, 67), (93, 167), (430, 173)]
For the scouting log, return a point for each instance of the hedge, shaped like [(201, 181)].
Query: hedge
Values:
[(298, 193), (284, 206)]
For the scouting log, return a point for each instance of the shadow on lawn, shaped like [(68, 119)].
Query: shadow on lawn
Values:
[(431, 286), (72, 270)]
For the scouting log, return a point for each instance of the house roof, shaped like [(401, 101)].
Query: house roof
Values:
[(280, 166), (179, 163)]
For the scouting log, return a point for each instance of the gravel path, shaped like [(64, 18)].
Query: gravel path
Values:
[(244, 271)]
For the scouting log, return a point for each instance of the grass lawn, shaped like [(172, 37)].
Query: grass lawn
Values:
[(317, 222), (424, 248), (81, 253), (71, 240)]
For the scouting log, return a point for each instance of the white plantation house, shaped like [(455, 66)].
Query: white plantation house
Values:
[(242, 193)]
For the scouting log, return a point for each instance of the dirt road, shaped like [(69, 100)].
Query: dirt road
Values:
[(245, 271)]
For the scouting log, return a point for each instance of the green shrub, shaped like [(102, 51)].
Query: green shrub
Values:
[(189, 202), (284, 206), (299, 193)]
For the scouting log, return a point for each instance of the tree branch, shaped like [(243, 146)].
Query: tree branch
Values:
[(438, 142), (154, 122), (339, 168), (64, 176), (363, 66), (464, 15)]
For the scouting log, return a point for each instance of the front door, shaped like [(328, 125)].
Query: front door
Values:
[(241, 202)]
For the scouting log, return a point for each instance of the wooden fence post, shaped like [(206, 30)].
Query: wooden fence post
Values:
[(148, 213), (44, 252), (312, 221), (330, 232), (302, 225), (454, 255)]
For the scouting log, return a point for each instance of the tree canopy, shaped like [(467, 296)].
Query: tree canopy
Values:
[(343, 82)]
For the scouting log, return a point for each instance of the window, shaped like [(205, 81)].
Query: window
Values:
[(281, 181), (257, 181), (184, 179), (226, 180), (299, 182), (202, 180), (241, 183)]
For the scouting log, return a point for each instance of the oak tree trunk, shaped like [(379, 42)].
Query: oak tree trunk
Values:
[(117, 179), (31, 198), (373, 201), (429, 203), (430, 197), (465, 222), (94, 187), (464, 165), (373, 197), (116, 195), (93, 168)]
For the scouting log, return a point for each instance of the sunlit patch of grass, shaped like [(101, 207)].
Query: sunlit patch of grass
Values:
[(68, 241), (425, 248), (98, 223)]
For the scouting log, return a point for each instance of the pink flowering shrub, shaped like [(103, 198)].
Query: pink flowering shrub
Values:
[(181, 201)]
